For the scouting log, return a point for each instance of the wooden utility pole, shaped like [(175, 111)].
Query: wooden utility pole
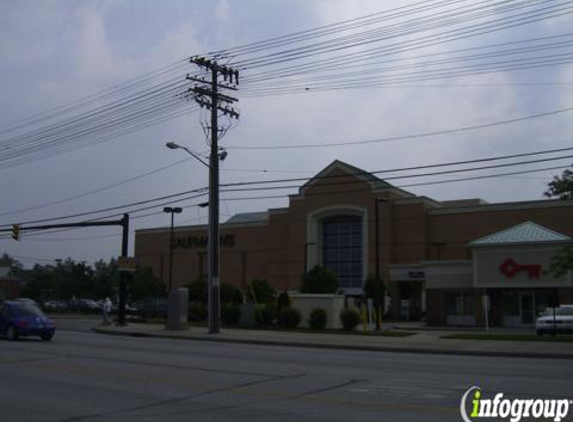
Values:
[(206, 94)]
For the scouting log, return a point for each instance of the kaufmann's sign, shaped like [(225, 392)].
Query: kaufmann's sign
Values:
[(189, 242)]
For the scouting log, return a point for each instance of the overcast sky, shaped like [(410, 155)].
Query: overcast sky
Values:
[(55, 52)]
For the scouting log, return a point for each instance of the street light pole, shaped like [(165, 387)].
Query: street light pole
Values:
[(172, 211), (216, 155)]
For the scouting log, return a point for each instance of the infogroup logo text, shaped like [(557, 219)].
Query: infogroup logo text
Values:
[(513, 409)]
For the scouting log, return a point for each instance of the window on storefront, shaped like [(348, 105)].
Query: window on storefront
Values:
[(342, 248), (460, 303), (510, 303)]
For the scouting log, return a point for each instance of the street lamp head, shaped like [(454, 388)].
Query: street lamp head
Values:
[(174, 210), (172, 145), (203, 204), (223, 154)]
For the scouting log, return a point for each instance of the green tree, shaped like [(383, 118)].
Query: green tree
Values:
[(375, 289), (319, 280), (561, 187), (145, 285), (105, 278), (16, 268), (262, 291), (198, 290)]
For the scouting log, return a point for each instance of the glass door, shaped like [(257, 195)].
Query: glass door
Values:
[(527, 308)]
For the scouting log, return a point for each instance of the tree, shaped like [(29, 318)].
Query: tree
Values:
[(16, 268), (375, 289), (145, 285), (319, 280), (260, 291), (562, 188)]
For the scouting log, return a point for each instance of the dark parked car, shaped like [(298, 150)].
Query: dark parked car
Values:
[(151, 308), (24, 319), (84, 305), (55, 305)]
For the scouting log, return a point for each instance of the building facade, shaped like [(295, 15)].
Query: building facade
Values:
[(438, 259)]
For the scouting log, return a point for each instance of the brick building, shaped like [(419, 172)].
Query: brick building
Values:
[(438, 258)]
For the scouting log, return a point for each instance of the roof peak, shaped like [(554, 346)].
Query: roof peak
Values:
[(524, 233)]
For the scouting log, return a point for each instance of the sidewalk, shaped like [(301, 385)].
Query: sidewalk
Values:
[(421, 342)]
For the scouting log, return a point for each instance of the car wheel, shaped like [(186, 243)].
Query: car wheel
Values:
[(12, 334), (47, 337)]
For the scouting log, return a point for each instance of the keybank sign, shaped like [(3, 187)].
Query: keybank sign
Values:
[(475, 407)]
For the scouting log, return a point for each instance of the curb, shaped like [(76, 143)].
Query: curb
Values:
[(530, 355)]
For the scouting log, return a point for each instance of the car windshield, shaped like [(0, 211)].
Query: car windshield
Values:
[(27, 310), (559, 311)]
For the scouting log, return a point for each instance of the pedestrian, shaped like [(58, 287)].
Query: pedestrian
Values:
[(106, 311)]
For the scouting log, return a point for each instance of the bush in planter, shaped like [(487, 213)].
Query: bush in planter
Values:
[(265, 314), (317, 319), (349, 319), (319, 280), (198, 290), (262, 291), (230, 294), (283, 301), (197, 311), (230, 313), (288, 318)]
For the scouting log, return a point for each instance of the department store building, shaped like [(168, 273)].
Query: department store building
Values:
[(440, 260)]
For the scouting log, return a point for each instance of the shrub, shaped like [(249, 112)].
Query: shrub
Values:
[(230, 294), (197, 311), (319, 280), (317, 319), (198, 290), (261, 289), (288, 318), (265, 314), (283, 301), (230, 314), (349, 319), (374, 290)]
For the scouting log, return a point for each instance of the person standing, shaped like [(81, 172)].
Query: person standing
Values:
[(106, 311)]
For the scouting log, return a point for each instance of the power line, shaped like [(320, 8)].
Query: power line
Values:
[(178, 197), (404, 137)]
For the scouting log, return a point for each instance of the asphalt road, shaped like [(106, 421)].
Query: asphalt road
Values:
[(83, 376)]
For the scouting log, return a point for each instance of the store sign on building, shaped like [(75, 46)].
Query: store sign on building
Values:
[(189, 242), (416, 275), (510, 269)]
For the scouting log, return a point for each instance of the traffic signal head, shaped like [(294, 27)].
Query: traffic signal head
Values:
[(16, 232)]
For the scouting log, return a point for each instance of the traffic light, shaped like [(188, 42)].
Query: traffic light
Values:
[(16, 232)]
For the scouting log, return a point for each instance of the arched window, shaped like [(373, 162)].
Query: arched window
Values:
[(342, 248)]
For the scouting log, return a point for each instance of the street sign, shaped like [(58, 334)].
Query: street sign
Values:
[(126, 263)]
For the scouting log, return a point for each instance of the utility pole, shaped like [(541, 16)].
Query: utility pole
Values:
[(206, 94)]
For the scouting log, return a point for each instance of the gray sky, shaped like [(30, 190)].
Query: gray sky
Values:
[(56, 52)]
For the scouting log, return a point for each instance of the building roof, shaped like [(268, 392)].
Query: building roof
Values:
[(249, 217), (523, 233)]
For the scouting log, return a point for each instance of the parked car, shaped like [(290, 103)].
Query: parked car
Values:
[(55, 305), (84, 305), (28, 301), (563, 321), (19, 318), (151, 308)]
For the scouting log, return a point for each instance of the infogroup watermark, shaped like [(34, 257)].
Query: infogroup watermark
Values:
[(474, 407)]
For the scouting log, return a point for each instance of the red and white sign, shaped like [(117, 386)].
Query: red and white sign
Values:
[(510, 269)]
